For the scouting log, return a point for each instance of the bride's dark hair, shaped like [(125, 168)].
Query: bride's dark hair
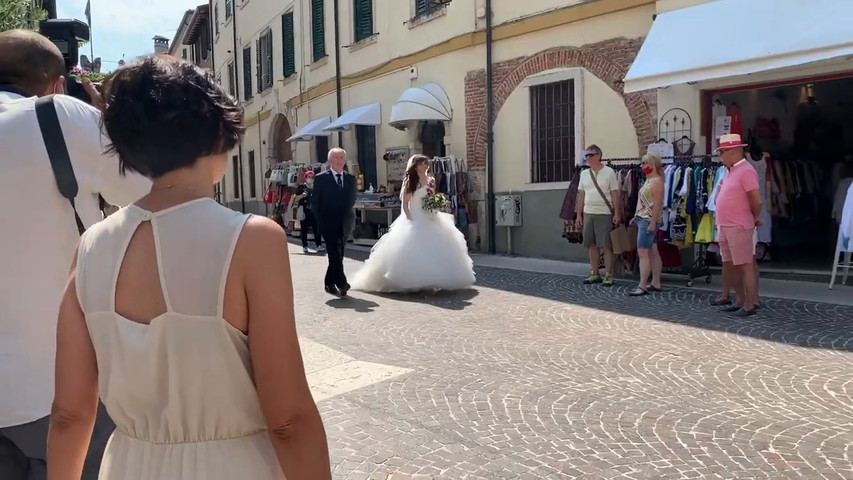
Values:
[(411, 181)]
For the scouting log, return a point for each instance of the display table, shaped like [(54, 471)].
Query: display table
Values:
[(389, 214)]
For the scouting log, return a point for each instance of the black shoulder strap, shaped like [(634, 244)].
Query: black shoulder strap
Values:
[(57, 151)]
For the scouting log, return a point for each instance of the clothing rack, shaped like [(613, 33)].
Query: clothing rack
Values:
[(665, 160)]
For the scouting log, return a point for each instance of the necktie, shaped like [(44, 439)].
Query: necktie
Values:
[(339, 180)]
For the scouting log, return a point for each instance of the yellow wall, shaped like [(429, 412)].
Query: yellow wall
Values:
[(668, 5), (443, 49)]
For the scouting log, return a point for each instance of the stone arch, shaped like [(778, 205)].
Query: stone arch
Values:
[(608, 60), (280, 149)]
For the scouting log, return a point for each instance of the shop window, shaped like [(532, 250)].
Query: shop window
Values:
[(247, 74), (552, 131), (321, 146), (362, 19), (228, 9), (231, 88), (428, 7), (253, 176), (431, 136), (235, 169), (288, 48), (318, 30), (264, 63), (365, 137)]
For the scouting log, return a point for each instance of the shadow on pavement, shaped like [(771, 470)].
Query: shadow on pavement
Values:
[(353, 303), (455, 300), (793, 322)]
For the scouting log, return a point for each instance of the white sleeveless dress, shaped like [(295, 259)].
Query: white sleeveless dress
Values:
[(180, 390), (427, 252)]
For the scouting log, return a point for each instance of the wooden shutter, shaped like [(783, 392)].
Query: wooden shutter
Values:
[(318, 30), (247, 73), (363, 19), (270, 70), (258, 72), (287, 44), (422, 7)]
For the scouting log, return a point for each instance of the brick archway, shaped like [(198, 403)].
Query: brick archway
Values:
[(608, 60)]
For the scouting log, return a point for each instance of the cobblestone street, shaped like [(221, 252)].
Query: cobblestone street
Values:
[(538, 376)]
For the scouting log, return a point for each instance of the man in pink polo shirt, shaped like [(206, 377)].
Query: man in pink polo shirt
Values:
[(738, 213)]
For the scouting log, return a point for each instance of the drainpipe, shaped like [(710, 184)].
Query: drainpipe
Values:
[(212, 36), (338, 67), (490, 134), (237, 71)]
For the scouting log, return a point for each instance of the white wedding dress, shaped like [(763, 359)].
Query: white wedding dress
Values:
[(427, 252)]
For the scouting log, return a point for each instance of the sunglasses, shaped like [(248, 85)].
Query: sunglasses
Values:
[(590, 155)]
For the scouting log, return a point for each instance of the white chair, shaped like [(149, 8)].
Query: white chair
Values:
[(845, 262), (840, 251)]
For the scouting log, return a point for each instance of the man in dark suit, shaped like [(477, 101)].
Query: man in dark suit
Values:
[(332, 204)]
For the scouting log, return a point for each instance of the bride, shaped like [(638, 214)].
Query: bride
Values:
[(422, 250)]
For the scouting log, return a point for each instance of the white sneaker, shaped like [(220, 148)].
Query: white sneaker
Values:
[(321, 249), (308, 251)]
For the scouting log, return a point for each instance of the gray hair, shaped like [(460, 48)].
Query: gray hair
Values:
[(335, 151)]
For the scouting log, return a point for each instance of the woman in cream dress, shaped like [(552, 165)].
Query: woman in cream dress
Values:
[(172, 316)]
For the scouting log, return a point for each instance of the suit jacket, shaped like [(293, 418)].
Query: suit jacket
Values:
[(333, 206)]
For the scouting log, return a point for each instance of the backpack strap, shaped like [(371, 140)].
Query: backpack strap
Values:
[(57, 151)]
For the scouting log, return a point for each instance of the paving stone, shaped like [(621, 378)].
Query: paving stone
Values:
[(539, 376)]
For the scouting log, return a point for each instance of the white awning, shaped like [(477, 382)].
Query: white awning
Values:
[(364, 115), (313, 129), (726, 38), (427, 102)]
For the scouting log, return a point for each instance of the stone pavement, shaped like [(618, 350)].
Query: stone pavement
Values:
[(535, 375)]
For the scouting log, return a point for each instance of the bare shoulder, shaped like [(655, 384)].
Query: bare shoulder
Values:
[(260, 234)]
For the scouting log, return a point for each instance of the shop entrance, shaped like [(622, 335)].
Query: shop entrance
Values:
[(431, 136), (801, 141)]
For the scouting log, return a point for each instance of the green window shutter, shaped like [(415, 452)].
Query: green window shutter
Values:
[(318, 30), (288, 48), (270, 65), (248, 93), (363, 19), (422, 7), (258, 72)]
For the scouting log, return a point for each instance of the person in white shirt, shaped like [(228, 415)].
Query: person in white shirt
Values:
[(38, 235), (599, 211)]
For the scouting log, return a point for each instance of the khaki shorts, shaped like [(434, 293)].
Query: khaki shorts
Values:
[(596, 231)]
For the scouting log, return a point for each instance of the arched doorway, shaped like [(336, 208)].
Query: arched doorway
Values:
[(280, 149)]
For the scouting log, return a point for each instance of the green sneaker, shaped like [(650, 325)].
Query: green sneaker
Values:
[(608, 280), (592, 278)]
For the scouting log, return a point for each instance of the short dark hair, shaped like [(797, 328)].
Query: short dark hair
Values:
[(594, 148), (162, 114), (29, 61)]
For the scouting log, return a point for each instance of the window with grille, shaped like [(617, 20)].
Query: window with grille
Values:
[(253, 180), (229, 5), (247, 74), (264, 64), (552, 132), (216, 19), (426, 7), (288, 47), (231, 87), (318, 30), (235, 165), (362, 19)]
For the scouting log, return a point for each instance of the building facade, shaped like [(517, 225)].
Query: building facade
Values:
[(193, 40), (412, 78)]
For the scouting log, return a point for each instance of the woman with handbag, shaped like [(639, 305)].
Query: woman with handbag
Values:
[(648, 221)]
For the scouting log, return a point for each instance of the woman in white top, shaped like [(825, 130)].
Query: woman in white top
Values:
[(172, 316)]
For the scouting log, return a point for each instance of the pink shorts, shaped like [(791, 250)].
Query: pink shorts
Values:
[(737, 245)]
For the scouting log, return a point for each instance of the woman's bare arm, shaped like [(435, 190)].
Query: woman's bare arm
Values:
[(406, 197), (294, 423), (75, 401)]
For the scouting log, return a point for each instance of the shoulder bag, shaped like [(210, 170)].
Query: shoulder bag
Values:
[(619, 237)]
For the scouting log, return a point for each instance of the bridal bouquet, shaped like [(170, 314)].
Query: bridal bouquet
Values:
[(435, 202)]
